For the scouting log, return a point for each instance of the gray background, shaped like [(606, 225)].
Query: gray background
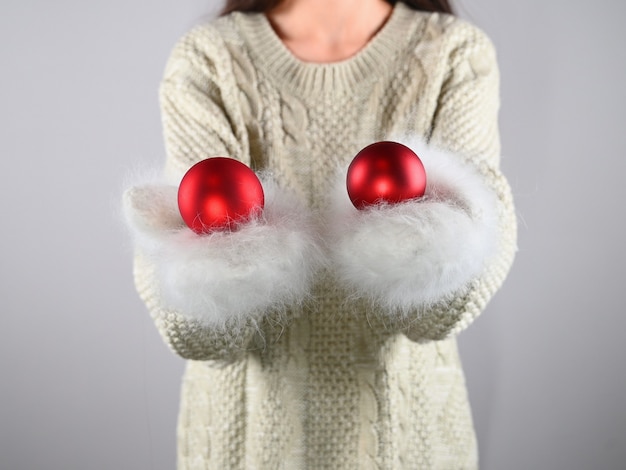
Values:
[(86, 383)]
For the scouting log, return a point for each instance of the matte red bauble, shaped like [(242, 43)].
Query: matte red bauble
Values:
[(219, 193), (385, 172)]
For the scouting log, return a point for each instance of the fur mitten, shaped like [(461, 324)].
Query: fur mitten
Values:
[(226, 277), (420, 252)]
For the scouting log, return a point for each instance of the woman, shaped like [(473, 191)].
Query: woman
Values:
[(318, 335)]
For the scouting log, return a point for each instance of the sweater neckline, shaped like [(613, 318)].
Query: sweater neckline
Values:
[(273, 56)]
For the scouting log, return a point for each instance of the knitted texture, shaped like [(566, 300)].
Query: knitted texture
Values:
[(336, 382)]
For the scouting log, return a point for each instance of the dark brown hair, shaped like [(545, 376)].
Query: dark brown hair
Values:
[(442, 6)]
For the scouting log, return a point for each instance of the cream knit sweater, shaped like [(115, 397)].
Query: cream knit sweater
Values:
[(334, 374)]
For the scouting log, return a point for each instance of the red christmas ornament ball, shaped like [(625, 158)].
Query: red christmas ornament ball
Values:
[(385, 172), (219, 193)]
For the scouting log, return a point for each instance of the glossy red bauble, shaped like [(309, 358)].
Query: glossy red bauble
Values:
[(219, 193), (385, 172)]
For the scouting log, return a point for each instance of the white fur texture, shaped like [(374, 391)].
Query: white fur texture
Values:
[(267, 264), (420, 252)]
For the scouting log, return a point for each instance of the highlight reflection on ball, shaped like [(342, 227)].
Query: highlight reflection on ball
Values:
[(218, 194), (385, 172)]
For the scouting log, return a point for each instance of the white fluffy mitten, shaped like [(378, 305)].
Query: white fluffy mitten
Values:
[(420, 252), (226, 277)]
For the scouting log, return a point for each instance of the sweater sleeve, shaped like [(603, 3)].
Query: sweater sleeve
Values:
[(199, 98), (210, 294), (430, 266), (466, 124)]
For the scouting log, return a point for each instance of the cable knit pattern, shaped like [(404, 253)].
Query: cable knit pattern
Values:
[(335, 382)]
